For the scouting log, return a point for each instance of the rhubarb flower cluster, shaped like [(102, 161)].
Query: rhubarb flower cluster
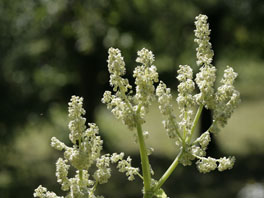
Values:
[(131, 109), (131, 106), (84, 153), (221, 101)]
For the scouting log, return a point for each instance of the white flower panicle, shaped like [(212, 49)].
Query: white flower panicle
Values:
[(222, 102), (92, 143), (197, 151), (164, 98), (204, 140), (119, 104), (186, 87), (226, 163), (145, 77), (205, 81), (227, 98), (57, 144), (185, 98), (124, 166), (117, 157), (206, 165), (62, 174), (120, 108), (202, 33), (77, 122), (42, 192), (87, 143), (122, 104), (103, 173), (145, 57), (116, 68), (80, 186), (165, 106), (76, 188), (229, 76), (86, 151), (209, 164), (116, 64)]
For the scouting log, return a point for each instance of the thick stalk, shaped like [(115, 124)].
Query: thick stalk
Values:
[(168, 172), (144, 162)]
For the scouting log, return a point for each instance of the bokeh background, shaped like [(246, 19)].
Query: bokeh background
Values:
[(50, 50)]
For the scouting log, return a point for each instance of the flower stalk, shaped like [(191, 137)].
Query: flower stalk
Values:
[(169, 171), (144, 160)]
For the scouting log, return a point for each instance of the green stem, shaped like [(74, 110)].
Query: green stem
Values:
[(144, 162), (169, 171), (195, 122)]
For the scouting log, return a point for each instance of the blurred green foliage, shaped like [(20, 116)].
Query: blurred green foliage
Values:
[(50, 50)]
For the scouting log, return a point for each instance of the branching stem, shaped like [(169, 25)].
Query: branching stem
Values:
[(169, 171)]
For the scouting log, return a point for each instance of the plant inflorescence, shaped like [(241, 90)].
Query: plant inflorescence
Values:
[(131, 106)]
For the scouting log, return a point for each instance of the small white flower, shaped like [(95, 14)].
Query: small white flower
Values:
[(75, 188), (42, 192), (77, 122), (227, 98), (205, 80), (116, 157), (226, 163), (165, 106), (204, 140), (202, 33), (103, 173), (206, 165), (116, 64), (197, 151), (125, 166), (145, 77), (186, 159), (116, 68), (84, 155), (57, 144), (145, 57), (185, 98), (62, 174)]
